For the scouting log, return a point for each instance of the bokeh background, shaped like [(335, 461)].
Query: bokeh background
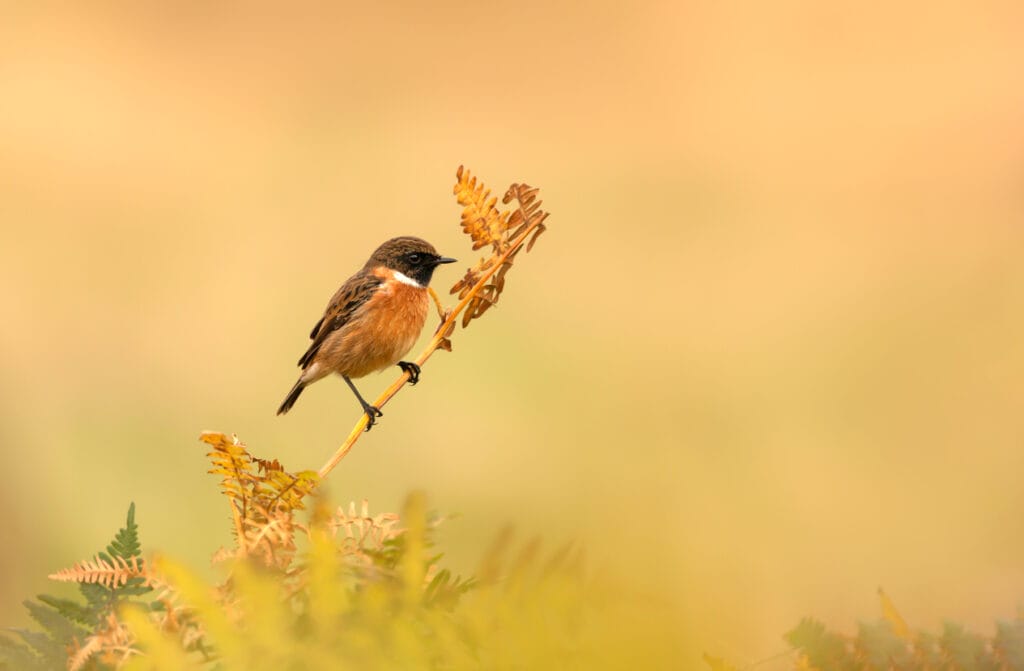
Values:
[(768, 357)]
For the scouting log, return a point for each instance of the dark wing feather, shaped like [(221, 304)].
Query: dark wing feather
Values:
[(356, 291), (312, 334)]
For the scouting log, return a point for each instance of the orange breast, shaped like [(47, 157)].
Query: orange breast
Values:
[(385, 329)]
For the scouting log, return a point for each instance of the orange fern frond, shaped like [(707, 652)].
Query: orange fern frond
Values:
[(232, 462), (528, 215), (266, 484), (113, 573), (484, 282), (291, 489), (480, 218), (113, 643), (463, 286), (262, 496), (270, 536)]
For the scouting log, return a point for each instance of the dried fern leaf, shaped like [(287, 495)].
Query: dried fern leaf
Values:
[(82, 656), (362, 536), (113, 573), (484, 223), (528, 214), (473, 275), (483, 283), (112, 644), (223, 555), (262, 496), (289, 488)]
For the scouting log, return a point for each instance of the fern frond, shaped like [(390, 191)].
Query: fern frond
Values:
[(223, 554), (170, 617), (291, 489), (445, 591), (80, 657), (14, 655), (270, 536), (484, 223), (70, 610), (528, 214), (106, 581), (233, 463), (126, 542), (112, 644), (484, 282), (111, 573), (262, 496), (362, 534), (47, 650), (463, 286), (54, 622)]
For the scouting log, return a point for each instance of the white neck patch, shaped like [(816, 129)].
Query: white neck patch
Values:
[(405, 279)]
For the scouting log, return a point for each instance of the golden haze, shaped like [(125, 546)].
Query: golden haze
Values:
[(768, 356)]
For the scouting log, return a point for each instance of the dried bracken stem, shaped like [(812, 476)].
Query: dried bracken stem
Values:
[(530, 222)]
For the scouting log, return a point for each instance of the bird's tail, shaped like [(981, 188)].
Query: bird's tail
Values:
[(293, 396)]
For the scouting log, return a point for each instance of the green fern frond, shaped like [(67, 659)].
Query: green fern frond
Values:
[(69, 610), (48, 651), (60, 628), (444, 591), (126, 542), (15, 656)]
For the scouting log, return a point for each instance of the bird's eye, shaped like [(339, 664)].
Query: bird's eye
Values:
[(414, 258)]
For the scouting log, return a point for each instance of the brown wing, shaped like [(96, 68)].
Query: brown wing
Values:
[(356, 291)]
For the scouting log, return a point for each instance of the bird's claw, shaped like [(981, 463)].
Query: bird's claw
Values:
[(372, 413), (412, 369)]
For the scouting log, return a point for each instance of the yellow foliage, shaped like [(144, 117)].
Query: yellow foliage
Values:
[(262, 496), (535, 617), (893, 617), (352, 589)]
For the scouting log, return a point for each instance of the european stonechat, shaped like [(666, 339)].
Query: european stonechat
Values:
[(373, 320)]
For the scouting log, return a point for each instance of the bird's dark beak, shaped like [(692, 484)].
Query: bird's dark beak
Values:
[(444, 259)]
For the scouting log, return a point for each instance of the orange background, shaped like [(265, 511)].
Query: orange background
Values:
[(769, 355)]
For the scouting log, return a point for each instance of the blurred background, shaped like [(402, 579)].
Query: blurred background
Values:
[(768, 357)]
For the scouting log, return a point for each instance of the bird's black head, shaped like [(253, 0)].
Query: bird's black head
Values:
[(413, 257)]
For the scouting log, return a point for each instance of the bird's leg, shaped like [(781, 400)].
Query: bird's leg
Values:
[(412, 369), (372, 412)]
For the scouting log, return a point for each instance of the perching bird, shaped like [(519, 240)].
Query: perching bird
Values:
[(373, 320)]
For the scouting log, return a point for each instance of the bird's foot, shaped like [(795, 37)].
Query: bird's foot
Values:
[(372, 413), (412, 369)]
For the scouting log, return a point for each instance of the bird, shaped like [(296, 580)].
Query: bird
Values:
[(373, 320)]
